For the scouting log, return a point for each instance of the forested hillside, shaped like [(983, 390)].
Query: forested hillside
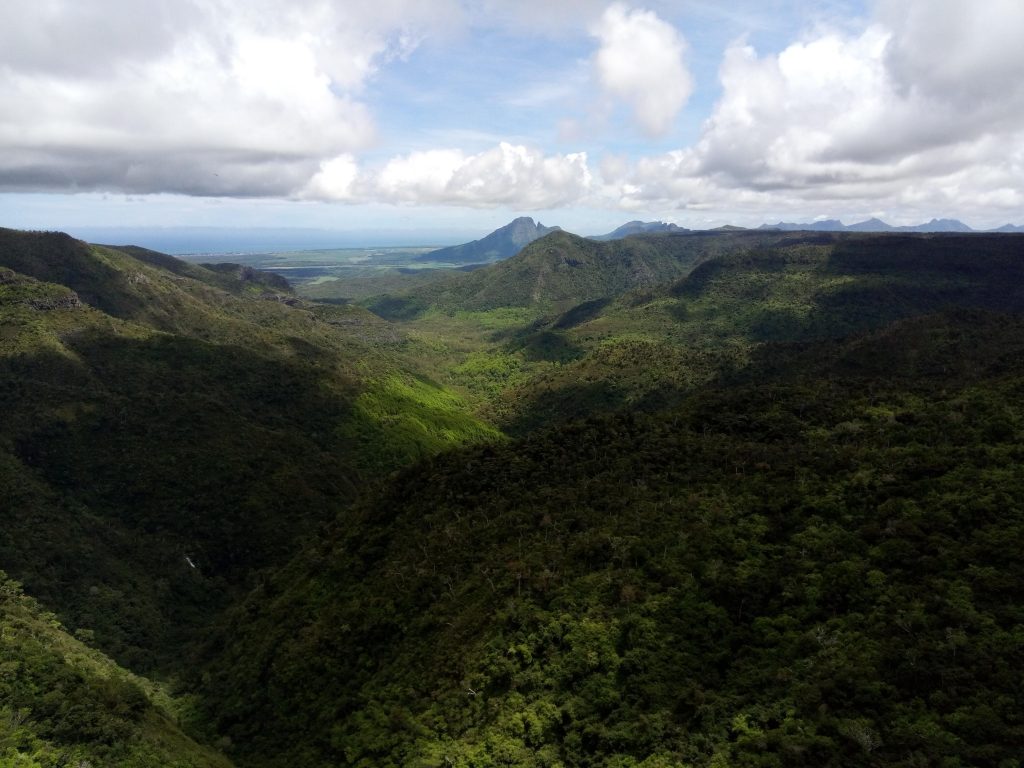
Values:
[(634, 346), (62, 703), (169, 429), (693, 499), (818, 566), (558, 270)]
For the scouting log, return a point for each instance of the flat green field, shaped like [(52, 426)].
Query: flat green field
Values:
[(343, 273)]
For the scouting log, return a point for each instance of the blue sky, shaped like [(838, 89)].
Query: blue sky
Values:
[(445, 118)]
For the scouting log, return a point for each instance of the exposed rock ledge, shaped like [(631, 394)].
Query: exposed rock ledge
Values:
[(68, 300)]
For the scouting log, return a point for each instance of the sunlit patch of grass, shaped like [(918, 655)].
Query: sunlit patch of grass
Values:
[(498, 319), (487, 373), (400, 418)]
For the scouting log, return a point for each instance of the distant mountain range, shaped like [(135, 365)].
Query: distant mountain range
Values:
[(828, 225), (500, 244), (513, 237), (640, 228), (517, 234), (877, 225)]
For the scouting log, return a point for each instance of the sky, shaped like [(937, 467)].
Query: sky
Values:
[(434, 119)]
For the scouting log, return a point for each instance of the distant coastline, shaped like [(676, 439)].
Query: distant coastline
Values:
[(240, 241), (202, 241)]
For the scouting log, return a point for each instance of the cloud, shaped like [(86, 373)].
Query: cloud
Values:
[(335, 180), (83, 40), (507, 175), (919, 108), (781, 118), (640, 61), (875, 119), (959, 51), (201, 97)]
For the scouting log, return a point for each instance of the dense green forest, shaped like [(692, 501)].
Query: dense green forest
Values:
[(817, 568), (63, 703), (692, 499)]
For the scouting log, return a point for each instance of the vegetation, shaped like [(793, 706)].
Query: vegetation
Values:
[(558, 270), (727, 499), (649, 347), (818, 567), (62, 703), (372, 283), (169, 430)]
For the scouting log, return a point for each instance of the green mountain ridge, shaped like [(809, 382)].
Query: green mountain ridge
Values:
[(558, 270), (562, 269)]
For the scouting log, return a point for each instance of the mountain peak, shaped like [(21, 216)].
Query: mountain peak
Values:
[(637, 227), (941, 225), (500, 244), (870, 225)]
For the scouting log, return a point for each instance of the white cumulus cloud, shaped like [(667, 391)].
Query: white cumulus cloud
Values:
[(206, 97), (336, 180), (963, 51), (921, 112), (509, 175), (640, 62)]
